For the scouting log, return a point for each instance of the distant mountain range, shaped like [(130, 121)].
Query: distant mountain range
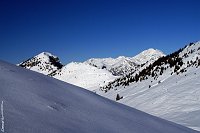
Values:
[(123, 65), (93, 73), (163, 85)]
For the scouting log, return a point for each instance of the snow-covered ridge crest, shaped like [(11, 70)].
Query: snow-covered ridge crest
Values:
[(148, 55), (122, 65)]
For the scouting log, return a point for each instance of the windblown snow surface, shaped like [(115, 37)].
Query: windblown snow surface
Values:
[(35, 103)]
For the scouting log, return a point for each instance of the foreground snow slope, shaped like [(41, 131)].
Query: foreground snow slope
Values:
[(35, 103)]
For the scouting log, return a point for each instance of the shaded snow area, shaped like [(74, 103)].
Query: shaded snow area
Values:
[(35, 103)]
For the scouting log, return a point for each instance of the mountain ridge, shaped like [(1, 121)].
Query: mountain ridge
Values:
[(111, 69), (123, 65)]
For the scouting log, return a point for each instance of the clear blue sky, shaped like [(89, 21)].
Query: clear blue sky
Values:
[(76, 30)]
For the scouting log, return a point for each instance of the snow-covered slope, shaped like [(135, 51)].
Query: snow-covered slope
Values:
[(123, 65), (34, 103), (44, 63), (84, 75), (168, 88)]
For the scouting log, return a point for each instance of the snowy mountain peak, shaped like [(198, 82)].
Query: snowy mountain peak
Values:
[(151, 51), (44, 62), (147, 56), (121, 57), (43, 54)]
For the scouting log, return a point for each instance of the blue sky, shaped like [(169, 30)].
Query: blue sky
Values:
[(76, 30)]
